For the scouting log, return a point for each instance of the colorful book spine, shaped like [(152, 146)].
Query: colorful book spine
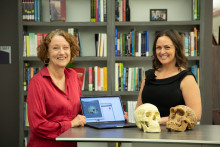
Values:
[(147, 43), (116, 41)]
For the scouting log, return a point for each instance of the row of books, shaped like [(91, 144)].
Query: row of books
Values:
[(31, 10), (191, 41), (133, 43), (98, 10), (101, 44), (31, 41), (97, 78), (196, 9), (76, 33), (29, 72), (122, 10), (128, 78)]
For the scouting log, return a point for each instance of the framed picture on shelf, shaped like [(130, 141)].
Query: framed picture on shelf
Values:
[(158, 14)]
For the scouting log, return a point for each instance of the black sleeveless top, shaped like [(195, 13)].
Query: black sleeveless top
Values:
[(163, 93)]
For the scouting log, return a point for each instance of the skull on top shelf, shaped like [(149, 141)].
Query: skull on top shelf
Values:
[(147, 117), (181, 118)]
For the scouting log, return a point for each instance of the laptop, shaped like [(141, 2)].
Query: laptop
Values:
[(104, 112)]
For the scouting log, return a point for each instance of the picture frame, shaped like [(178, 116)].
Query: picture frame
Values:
[(158, 14)]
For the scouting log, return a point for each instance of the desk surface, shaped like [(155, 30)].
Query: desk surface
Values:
[(201, 134)]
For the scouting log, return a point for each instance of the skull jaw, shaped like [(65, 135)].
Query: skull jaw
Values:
[(151, 127), (172, 126)]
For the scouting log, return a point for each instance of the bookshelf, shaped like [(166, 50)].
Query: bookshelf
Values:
[(179, 18)]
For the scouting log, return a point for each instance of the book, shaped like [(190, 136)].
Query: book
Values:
[(93, 11), (57, 10), (90, 79), (105, 86), (81, 73)]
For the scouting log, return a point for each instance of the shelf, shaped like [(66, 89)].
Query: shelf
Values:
[(130, 93), (159, 23), (64, 24), (95, 93)]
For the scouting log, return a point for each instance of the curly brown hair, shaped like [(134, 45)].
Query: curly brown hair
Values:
[(181, 59), (43, 47)]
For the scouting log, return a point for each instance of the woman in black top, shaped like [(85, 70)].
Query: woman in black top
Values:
[(169, 83)]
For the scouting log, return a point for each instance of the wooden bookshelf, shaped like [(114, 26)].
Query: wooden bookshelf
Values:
[(178, 18)]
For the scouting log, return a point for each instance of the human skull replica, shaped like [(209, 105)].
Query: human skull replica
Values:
[(147, 117), (181, 118)]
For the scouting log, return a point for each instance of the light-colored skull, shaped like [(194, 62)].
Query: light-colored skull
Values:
[(147, 117), (181, 118)]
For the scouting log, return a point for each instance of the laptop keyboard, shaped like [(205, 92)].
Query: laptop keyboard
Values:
[(109, 124)]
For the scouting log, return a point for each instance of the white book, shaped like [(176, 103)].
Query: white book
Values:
[(31, 44), (35, 44), (101, 79), (129, 78), (139, 44), (96, 77), (24, 46), (98, 48), (101, 45), (105, 45), (192, 43), (102, 12)]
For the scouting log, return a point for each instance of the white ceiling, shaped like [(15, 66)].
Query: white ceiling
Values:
[(216, 4)]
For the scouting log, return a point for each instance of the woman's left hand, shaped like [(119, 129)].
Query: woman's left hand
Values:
[(126, 116)]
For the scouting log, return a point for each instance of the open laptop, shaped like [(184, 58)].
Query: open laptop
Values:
[(104, 112)]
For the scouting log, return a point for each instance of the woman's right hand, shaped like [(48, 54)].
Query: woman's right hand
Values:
[(79, 120)]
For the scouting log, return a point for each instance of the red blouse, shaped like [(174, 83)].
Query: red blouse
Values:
[(50, 110)]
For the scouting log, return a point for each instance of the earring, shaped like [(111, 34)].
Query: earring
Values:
[(46, 61)]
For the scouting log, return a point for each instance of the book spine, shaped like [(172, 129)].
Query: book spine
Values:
[(133, 42), (90, 79), (105, 88), (136, 43), (186, 43), (147, 43), (105, 10), (116, 76), (198, 9), (116, 40)]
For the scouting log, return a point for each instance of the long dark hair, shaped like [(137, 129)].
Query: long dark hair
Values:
[(181, 60)]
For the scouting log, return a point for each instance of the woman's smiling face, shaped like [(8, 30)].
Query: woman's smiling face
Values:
[(59, 52), (165, 50)]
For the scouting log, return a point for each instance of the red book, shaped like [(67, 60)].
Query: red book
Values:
[(81, 72), (90, 79), (39, 38)]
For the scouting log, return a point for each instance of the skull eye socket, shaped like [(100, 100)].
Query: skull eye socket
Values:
[(172, 113), (180, 112), (148, 114), (155, 116)]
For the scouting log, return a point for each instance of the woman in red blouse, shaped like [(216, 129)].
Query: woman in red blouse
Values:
[(53, 93)]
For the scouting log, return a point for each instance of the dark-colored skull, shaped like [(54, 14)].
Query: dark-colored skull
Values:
[(181, 118)]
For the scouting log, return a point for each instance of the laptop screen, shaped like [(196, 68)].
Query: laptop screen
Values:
[(102, 109)]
